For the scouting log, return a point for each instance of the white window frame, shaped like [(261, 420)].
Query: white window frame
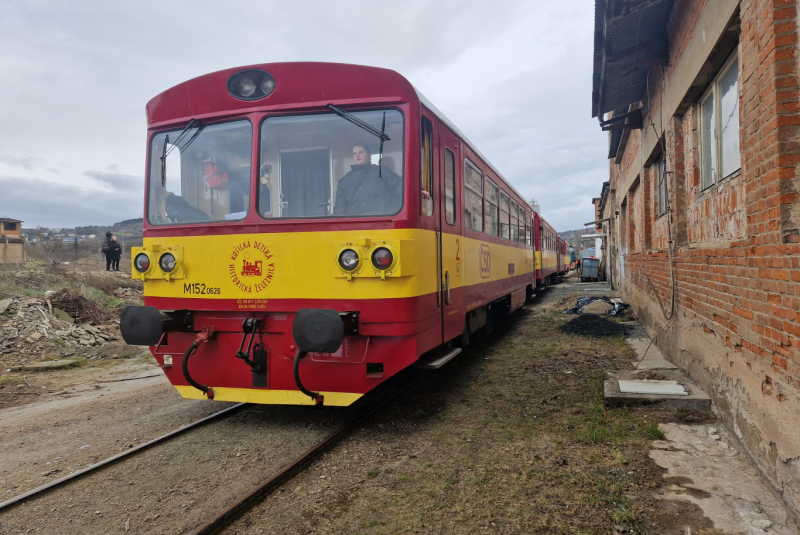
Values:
[(713, 92), (661, 174)]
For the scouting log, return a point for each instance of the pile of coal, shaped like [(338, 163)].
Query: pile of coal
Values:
[(592, 325)]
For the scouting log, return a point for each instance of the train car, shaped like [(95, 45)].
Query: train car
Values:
[(312, 229), (546, 247), (563, 257)]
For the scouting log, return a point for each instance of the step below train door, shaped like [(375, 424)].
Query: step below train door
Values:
[(451, 223)]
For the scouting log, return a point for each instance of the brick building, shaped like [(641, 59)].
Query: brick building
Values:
[(12, 244), (700, 98)]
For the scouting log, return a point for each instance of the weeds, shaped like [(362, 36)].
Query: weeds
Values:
[(101, 297)]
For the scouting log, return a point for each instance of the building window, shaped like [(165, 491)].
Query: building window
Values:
[(449, 187), (491, 207), (662, 186), (426, 157), (719, 127), (473, 198), (10, 226)]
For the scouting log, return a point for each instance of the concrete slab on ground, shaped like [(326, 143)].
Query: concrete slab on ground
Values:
[(694, 399), (648, 356), (705, 466), (651, 386)]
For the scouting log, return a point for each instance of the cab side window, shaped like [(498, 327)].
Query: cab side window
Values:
[(426, 157), (449, 187)]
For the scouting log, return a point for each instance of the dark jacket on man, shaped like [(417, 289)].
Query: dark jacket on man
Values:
[(115, 250), (363, 192)]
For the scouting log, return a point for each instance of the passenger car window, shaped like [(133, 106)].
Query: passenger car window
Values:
[(504, 217), (491, 207), (473, 196), (514, 221)]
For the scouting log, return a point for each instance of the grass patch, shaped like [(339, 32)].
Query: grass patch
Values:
[(108, 301), (10, 380), (522, 440)]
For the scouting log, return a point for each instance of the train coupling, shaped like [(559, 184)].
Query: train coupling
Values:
[(249, 327)]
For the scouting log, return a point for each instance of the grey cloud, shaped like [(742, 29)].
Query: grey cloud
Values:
[(39, 202), (112, 177), (26, 163)]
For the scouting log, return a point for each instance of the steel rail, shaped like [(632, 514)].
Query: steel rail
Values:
[(111, 460), (294, 468)]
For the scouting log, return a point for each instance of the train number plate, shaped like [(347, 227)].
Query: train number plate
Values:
[(198, 288)]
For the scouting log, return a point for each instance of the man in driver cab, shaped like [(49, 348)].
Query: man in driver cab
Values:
[(364, 191)]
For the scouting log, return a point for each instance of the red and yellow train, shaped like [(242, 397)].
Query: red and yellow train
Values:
[(312, 229)]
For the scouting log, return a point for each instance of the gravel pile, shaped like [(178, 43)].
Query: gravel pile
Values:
[(592, 325)]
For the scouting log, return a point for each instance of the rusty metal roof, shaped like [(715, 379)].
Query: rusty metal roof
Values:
[(630, 38)]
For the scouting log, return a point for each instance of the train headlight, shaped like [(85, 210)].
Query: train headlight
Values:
[(348, 260), (141, 262), (167, 262), (246, 87), (252, 84), (268, 85), (382, 258)]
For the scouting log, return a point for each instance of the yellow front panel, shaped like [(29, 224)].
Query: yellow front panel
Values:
[(302, 265), (299, 265)]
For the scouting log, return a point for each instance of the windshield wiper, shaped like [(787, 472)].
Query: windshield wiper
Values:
[(194, 123), (361, 124)]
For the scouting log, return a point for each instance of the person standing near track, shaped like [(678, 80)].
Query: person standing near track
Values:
[(115, 253), (106, 250)]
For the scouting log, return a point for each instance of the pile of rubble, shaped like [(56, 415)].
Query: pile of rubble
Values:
[(34, 327)]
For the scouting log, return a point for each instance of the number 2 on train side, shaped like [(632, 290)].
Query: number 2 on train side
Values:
[(458, 249)]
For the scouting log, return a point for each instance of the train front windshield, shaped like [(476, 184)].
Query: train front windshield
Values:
[(317, 165), (205, 174), (324, 165)]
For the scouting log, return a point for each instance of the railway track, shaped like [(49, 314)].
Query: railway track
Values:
[(78, 474), (18, 510), (244, 503)]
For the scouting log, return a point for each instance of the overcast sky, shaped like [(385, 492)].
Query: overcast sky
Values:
[(515, 76)]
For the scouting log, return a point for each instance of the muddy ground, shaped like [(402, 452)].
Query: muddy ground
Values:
[(510, 437)]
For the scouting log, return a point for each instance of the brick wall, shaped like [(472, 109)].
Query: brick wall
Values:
[(736, 246)]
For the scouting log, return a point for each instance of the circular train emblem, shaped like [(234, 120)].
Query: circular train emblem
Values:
[(251, 267)]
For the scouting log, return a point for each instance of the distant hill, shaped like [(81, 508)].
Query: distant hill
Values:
[(129, 226), (572, 237)]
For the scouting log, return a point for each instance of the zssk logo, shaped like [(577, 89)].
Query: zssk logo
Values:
[(486, 261)]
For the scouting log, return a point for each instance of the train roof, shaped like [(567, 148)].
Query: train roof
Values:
[(207, 95)]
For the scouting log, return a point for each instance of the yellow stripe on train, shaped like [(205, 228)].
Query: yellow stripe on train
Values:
[(303, 265), (271, 397)]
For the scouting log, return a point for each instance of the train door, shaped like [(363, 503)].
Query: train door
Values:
[(305, 182), (429, 210), (452, 234)]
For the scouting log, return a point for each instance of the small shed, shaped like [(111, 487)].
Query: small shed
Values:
[(12, 243)]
